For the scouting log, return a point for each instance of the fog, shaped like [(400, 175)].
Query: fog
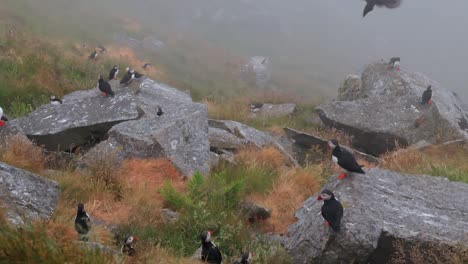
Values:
[(313, 44)]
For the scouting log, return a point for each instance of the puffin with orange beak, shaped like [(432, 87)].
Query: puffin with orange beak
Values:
[(332, 210), (3, 119), (210, 252), (345, 159), (127, 247)]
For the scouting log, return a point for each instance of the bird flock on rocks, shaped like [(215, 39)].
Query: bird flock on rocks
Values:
[(331, 210)]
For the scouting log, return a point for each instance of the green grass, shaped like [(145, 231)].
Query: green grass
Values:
[(451, 172)]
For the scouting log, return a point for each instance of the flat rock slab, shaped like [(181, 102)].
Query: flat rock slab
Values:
[(274, 110), (380, 205), (25, 195)]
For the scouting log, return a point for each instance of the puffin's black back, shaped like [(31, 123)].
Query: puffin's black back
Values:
[(332, 211), (426, 97), (105, 87), (127, 77), (82, 222), (346, 160), (112, 73), (211, 253)]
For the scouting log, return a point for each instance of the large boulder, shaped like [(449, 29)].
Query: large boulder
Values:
[(381, 207), (179, 134), (382, 110), (26, 196), (84, 118), (257, 71)]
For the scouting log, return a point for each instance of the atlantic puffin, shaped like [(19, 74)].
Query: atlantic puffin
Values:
[(387, 3), (427, 95), (55, 101), (82, 222), (3, 119), (210, 252), (127, 247), (137, 74), (246, 258), (332, 210), (93, 55), (128, 77), (344, 158), (147, 66), (105, 87), (394, 63), (160, 112), (114, 72)]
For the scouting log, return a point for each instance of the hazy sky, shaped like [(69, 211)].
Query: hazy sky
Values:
[(319, 41)]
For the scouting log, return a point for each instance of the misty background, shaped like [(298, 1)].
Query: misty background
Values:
[(313, 44)]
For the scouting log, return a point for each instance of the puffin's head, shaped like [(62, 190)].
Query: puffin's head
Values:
[(247, 256), (325, 195), (52, 97), (127, 69), (100, 77), (130, 240), (80, 207), (116, 67), (206, 236), (429, 87), (333, 143)]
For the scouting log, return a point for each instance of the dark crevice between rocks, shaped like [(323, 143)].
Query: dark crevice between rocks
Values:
[(221, 151), (463, 124), (373, 143)]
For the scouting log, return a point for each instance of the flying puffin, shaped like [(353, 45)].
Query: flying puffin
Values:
[(55, 101), (3, 119), (127, 247), (114, 72), (105, 87), (387, 3), (82, 222), (147, 66), (93, 55), (344, 158), (246, 258), (128, 77), (427, 95), (210, 252), (102, 49), (160, 112), (332, 210)]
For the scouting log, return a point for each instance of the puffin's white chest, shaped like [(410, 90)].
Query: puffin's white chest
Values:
[(334, 159)]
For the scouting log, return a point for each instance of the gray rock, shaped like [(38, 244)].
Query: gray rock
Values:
[(274, 110), (381, 109), (197, 254), (84, 118), (257, 71), (26, 196), (169, 216), (180, 134), (303, 143), (254, 211), (100, 247), (379, 207)]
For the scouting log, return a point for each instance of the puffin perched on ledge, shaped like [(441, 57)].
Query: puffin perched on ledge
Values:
[(345, 159), (332, 210)]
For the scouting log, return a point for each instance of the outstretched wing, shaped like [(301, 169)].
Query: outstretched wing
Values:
[(369, 7)]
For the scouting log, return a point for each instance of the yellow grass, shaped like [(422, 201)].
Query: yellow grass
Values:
[(22, 153)]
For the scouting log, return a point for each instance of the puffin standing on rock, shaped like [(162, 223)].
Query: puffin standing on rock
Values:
[(210, 252), (128, 77), (105, 87), (427, 95), (82, 222), (114, 72), (55, 101), (332, 210), (345, 159), (127, 247), (93, 55)]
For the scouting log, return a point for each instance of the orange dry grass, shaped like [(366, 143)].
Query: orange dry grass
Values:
[(289, 191), (150, 254), (237, 109), (22, 153), (269, 157)]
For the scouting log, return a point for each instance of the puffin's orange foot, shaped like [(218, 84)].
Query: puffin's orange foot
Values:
[(2, 123), (327, 223), (104, 94), (341, 176), (430, 102)]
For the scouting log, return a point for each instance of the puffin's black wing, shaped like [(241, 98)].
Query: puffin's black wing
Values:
[(4, 119), (112, 74), (127, 77), (369, 7), (211, 253), (347, 161), (82, 224), (138, 75)]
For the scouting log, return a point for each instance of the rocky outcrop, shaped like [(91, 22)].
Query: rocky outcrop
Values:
[(273, 110), (381, 109), (84, 118), (257, 71), (254, 212), (26, 196), (305, 145), (230, 136), (179, 134), (380, 207)]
